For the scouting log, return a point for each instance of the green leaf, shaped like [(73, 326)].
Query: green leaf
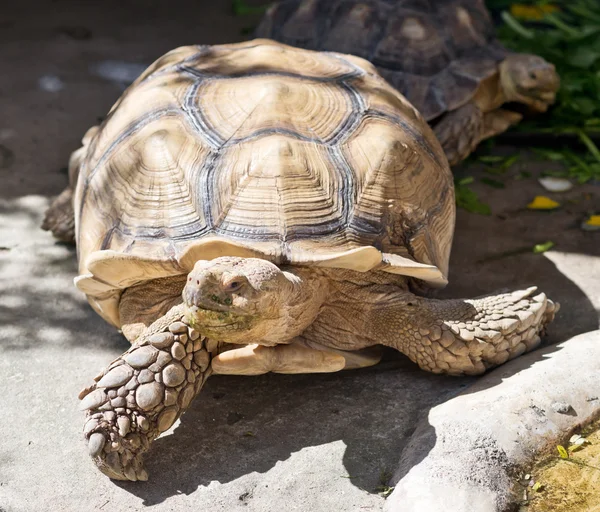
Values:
[(467, 199), (491, 159), (538, 486), (584, 105), (509, 161), (562, 452), (246, 31), (584, 56), (560, 24), (241, 8), (539, 249), (384, 490), (593, 149), (516, 26), (549, 154), (492, 183), (466, 181), (522, 175), (570, 39), (505, 164)]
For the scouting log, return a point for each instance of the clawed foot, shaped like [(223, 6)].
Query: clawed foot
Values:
[(489, 331), (521, 319), (467, 337), (60, 218), (142, 393)]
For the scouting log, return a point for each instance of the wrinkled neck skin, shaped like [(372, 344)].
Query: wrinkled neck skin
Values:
[(332, 307), (508, 88), (345, 320), (297, 309)]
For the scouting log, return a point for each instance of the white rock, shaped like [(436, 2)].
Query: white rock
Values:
[(554, 184)]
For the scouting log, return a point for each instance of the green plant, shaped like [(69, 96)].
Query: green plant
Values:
[(566, 33)]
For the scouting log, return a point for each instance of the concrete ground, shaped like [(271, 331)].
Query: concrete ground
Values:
[(307, 443)]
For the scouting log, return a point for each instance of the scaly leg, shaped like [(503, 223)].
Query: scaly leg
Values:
[(459, 132), (143, 392), (463, 336), (498, 121), (60, 217)]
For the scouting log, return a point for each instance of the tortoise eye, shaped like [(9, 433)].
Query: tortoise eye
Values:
[(233, 285)]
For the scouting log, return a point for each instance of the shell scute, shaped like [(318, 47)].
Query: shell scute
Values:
[(239, 150), (412, 42)]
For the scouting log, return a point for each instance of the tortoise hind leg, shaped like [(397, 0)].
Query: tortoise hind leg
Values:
[(142, 393), (60, 217), (459, 131), (300, 356)]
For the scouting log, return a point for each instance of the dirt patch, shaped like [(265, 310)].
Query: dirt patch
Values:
[(567, 485)]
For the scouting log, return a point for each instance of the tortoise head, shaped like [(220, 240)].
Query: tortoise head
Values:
[(529, 79), (240, 300)]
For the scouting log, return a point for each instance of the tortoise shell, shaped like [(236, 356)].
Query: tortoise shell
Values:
[(262, 150), (435, 52)]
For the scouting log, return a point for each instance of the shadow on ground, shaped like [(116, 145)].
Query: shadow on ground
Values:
[(290, 433), (39, 305), (238, 427)]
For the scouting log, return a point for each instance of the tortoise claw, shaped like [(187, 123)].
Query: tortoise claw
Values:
[(118, 458), (96, 444)]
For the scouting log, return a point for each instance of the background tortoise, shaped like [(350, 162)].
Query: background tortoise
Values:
[(442, 55), (295, 198)]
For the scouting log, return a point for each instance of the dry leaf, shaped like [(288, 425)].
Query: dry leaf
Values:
[(543, 203)]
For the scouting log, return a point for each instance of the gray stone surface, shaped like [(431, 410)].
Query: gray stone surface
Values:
[(307, 443), (464, 456)]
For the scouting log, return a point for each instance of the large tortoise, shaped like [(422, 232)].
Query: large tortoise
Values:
[(295, 200), (441, 54)]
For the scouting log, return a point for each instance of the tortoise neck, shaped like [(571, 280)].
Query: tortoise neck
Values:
[(508, 87), (344, 321), (311, 287)]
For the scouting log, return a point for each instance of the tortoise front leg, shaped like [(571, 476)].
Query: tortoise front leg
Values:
[(143, 392), (459, 131), (498, 121)]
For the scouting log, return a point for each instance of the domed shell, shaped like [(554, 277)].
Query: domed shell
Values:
[(436, 53), (260, 150)]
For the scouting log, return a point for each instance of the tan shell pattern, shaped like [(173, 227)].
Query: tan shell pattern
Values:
[(260, 149), (435, 52)]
